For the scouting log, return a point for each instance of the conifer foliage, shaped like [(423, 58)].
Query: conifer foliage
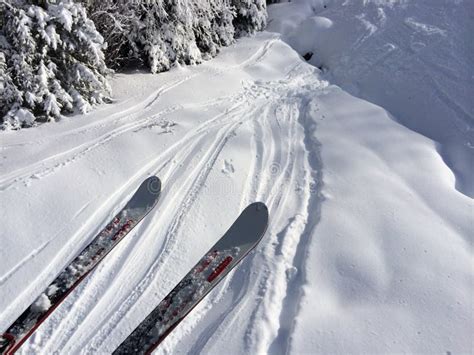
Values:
[(159, 33), (51, 61), (55, 55), (251, 16)]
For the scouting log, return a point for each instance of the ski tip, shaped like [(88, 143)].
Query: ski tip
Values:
[(153, 185), (259, 207), (147, 194)]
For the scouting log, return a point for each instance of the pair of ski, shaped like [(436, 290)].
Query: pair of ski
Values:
[(236, 243)]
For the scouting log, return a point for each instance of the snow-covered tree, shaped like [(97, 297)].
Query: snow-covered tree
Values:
[(158, 33), (161, 32), (251, 16), (53, 58), (51, 61)]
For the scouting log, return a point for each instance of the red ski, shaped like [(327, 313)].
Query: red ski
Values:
[(144, 199), (236, 243)]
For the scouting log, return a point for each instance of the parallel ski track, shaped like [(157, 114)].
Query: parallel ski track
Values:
[(276, 170), (182, 150), (53, 163), (279, 250), (188, 194), (278, 187)]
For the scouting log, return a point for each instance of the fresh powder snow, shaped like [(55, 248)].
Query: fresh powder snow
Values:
[(363, 154)]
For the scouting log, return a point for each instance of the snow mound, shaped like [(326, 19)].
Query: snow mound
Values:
[(413, 58)]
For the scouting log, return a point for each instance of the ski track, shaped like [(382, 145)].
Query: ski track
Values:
[(51, 164), (25, 260), (55, 162), (266, 281), (273, 176), (200, 173), (285, 243), (75, 319), (198, 178)]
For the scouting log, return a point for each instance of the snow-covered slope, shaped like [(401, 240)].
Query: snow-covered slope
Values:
[(412, 57), (369, 247)]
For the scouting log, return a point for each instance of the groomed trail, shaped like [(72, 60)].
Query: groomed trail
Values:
[(240, 128)]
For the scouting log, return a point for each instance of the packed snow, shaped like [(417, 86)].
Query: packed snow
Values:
[(365, 164)]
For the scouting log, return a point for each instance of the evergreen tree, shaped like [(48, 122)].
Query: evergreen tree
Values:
[(158, 33), (251, 16), (52, 61)]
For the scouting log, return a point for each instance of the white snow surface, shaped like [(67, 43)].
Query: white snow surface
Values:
[(370, 242)]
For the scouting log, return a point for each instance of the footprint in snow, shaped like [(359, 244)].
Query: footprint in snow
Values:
[(228, 167)]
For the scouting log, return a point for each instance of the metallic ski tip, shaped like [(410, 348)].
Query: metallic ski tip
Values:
[(153, 185), (248, 229), (147, 194), (259, 206)]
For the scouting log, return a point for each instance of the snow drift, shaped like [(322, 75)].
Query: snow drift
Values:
[(414, 58)]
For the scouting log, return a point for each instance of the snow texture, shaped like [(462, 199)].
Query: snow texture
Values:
[(42, 303), (414, 58), (369, 247)]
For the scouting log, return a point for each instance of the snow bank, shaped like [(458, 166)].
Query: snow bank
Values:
[(413, 58), (390, 265)]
